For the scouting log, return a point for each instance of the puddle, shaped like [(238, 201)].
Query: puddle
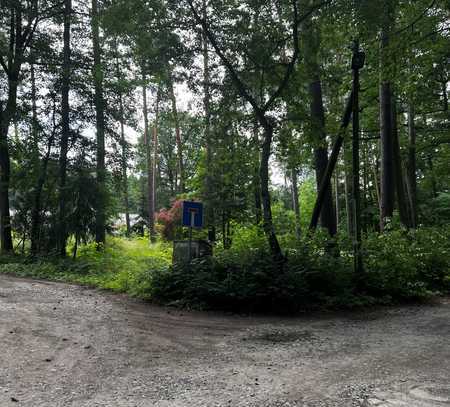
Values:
[(425, 395)]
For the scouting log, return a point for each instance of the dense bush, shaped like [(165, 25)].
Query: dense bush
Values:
[(399, 266)]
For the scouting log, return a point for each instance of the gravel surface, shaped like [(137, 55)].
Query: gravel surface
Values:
[(64, 345)]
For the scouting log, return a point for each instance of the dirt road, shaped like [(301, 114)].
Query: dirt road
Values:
[(63, 345)]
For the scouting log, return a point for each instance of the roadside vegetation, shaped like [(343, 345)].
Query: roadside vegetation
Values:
[(400, 266), (315, 133)]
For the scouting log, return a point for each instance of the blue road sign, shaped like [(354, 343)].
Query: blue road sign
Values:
[(193, 214)]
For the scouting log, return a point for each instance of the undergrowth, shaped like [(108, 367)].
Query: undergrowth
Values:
[(398, 266)]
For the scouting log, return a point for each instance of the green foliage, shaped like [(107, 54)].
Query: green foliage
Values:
[(399, 266), (123, 266)]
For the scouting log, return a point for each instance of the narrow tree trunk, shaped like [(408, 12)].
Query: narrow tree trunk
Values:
[(65, 130), (444, 95), (387, 148), (123, 143), (327, 215), (398, 170), (265, 194), (5, 171), (124, 157), (209, 207), (348, 192), (357, 238), (411, 168), (6, 116), (256, 178), (311, 39), (434, 187), (37, 204), (152, 186), (148, 149), (34, 116), (295, 202), (100, 220), (336, 197), (326, 181), (177, 134)]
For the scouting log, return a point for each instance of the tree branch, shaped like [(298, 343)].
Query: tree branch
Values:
[(234, 75)]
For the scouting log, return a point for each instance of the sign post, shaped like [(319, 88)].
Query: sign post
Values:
[(192, 218)]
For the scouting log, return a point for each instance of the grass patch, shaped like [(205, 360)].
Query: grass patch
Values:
[(125, 265)]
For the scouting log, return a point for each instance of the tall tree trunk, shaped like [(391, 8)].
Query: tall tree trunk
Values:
[(148, 149), (386, 133), (295, 202), (6, 116), (65, 130), (124, 165), (326, 182), (434, 188), (34, 115), (444, 83), (398, 169), (209, 206), (256, 179), (411, 166), (37, 204), (348, 191), (100, 220), (123, 143), (177, 134), (336, 197), (327, 215), (265, 194), (377, 185), (311, 50), (154, 163), (357, 238)]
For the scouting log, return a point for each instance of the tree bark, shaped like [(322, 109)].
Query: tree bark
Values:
[(336, 197), (124, 157), (123, 143), (326, 181), (177, 134), (411, 166), (311, 42), (386, 134), (398, 170), (295, 202), (265, 194), (100, 220), (37, 204), (348, 192), (148, 149), (327, 215), (256, 178), (152, 186), (65, 131), (6, 116), (209, 208)]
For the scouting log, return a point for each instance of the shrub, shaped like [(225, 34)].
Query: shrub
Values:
[(399, 266)]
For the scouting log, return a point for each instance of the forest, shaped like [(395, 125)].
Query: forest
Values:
[(315, 132)]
